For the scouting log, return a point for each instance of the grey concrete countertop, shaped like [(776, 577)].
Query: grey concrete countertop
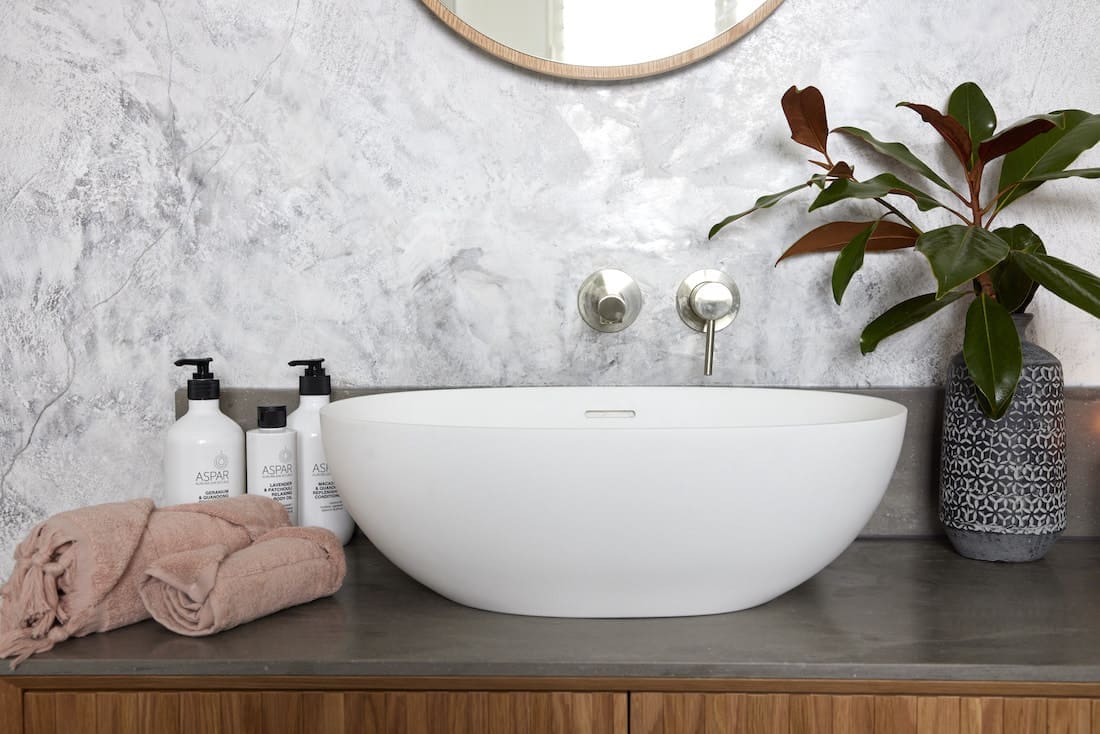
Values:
[(894, 609)]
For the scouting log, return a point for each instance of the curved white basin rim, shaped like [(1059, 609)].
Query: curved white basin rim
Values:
[(570, 408)]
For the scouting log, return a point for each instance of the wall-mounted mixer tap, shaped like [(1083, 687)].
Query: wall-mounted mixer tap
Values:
[(609, 300), (708, 301)]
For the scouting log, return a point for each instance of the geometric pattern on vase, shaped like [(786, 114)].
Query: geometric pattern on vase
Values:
[(1006, 476)]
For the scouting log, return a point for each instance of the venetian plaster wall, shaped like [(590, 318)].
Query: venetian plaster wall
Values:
[(258, 181)]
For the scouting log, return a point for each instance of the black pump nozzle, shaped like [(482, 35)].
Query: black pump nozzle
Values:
[(314, 381), (203, 365), (313, 366), (202, 385)]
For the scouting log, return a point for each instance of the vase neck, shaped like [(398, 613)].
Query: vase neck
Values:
[(1022, 322)]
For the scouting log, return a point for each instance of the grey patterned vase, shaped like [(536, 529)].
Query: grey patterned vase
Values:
[(1003, 483)]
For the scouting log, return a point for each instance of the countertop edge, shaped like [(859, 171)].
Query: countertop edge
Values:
[(899, 610)]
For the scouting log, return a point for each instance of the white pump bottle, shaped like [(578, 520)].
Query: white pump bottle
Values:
[(204, 449), (319, 503)]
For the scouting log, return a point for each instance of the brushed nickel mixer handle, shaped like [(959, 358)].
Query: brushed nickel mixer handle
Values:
[(708, 301)]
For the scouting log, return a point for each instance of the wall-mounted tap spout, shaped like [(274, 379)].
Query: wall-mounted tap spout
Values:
[(707, 301)]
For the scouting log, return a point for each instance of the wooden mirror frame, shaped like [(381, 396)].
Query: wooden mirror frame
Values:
[(601, 73)]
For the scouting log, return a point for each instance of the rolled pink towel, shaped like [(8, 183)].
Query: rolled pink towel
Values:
[(78, 572), (200, 592)]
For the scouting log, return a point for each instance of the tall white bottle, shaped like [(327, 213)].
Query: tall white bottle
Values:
[(319, 503), (273, 458), (204, 449)]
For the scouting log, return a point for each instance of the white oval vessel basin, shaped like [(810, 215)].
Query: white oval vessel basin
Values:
[(612, 501)]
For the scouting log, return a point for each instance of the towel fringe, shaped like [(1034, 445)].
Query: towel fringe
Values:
[(20, 644), (34, 594), (31, 605)]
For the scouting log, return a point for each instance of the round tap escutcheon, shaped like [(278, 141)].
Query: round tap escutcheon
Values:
[(708, 295), (609, 300)]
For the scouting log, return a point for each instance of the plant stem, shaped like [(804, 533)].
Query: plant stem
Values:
[(974, 181), (960, 215), (995, 206), (895, 210), (987, 285)]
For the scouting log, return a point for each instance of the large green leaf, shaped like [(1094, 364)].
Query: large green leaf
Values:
[(1071, 173), (1048, 153), (764, 202), (1013, 286), (991, 349), (958, 254), (872, 188), (834, 236), (902, 316), (898, 152), (1068, 282), (1020, 237), (969, 105), (849, 261)]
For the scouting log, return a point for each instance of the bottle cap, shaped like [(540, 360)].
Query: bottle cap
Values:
[(202, 385), (314, 381), (271, 416)]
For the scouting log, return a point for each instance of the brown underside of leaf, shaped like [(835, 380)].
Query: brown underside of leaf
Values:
[(805, 112), (1012, 139), (835, 235), (841, 170), (949, 129)]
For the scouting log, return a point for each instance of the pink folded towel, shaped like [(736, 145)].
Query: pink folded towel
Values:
[(203, 591), (78, 572)]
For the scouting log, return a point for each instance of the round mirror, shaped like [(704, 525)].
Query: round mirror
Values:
[(602, 39)]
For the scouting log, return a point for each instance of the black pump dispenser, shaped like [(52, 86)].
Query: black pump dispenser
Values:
[(314, 381), (202, 385)]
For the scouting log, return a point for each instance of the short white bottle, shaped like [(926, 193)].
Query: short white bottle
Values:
[(204, 449), (319, 504), (272, 451)]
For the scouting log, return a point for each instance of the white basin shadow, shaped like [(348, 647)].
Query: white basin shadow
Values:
[(612, 501)]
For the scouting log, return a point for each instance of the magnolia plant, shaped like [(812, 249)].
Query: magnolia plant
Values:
[(998, 269)]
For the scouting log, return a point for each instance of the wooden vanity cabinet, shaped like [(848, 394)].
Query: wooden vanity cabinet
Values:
[(726, 713), (114, 709), (207, 705)]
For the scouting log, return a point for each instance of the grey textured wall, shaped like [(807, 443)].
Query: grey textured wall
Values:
[(257, 181)]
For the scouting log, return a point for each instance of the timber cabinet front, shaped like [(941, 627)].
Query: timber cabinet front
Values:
[(207, 705)]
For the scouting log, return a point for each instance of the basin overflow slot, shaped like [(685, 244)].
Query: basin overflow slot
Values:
[(602, 414)]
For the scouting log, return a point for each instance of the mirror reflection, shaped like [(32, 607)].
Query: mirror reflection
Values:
[(603, 32)]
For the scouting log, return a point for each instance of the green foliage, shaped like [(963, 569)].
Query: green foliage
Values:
[(764, 202), (881, 185), (1046, 156), (998, 269), (959, 254), (1068, 282), (968, 105), (991, 350), (898, 152), (850, 260), (902, 316), (1014, 288)]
